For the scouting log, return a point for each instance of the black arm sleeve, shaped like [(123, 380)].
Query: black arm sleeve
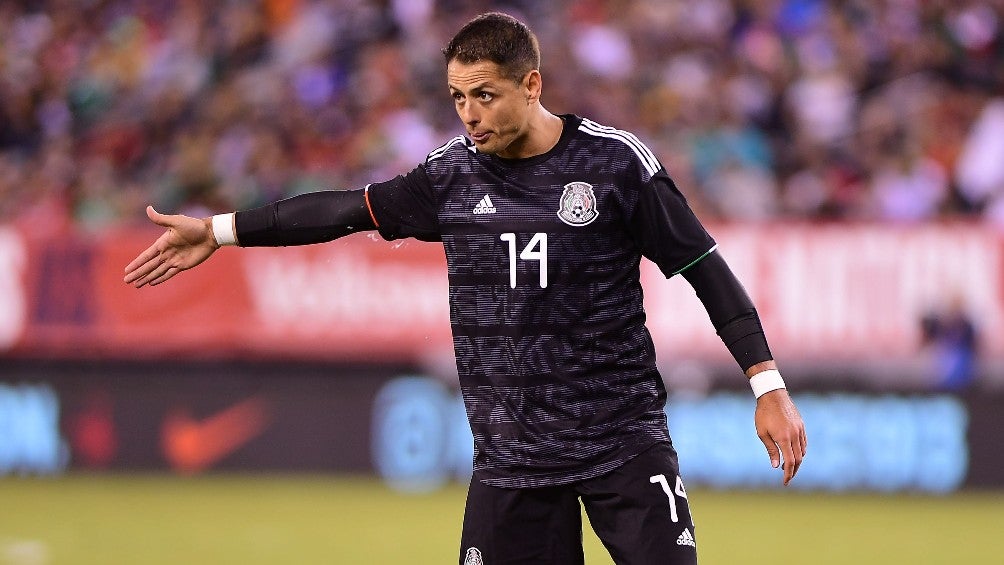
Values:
[(315, 217), (730, 309)]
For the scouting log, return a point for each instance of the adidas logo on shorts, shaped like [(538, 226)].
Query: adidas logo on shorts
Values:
[(473, 557), (686, 538), (485, 206)]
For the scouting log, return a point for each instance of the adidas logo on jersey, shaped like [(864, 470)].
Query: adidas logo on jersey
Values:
[(485, 206), (686, 538)]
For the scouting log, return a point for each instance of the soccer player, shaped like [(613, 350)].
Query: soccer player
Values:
[(544, 219)]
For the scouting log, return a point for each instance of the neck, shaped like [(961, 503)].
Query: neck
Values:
[(543, 132)]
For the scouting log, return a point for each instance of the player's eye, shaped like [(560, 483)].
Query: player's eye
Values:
[(457, 97), (485, 96)]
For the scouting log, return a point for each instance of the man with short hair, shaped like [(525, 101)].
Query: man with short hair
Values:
[(544, 219)]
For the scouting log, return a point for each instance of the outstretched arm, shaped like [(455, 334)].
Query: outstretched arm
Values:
[(309, 218), (778, 423)]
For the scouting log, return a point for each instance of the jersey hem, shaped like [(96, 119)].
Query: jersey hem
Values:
[(563, 478)]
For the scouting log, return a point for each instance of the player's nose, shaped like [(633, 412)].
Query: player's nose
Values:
[(469, 115)]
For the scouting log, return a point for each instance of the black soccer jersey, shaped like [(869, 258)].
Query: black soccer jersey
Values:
[(557, 368)]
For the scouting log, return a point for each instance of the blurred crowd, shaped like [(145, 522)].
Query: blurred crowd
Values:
[(875, 110)]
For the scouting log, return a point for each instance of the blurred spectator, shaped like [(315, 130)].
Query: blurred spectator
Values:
[(980, 171), (909, 187), (886, 110), (950, 335)]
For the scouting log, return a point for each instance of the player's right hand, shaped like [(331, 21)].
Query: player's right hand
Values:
[(186, 243)]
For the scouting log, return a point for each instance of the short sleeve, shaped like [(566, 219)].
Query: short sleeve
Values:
[(405, 206), (665, 228)]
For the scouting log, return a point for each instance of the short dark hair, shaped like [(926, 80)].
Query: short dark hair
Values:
[(499, 38)]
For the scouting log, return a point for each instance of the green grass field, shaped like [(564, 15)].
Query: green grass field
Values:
[(154, 519)]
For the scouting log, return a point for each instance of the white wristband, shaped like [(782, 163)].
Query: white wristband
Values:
[(223, 229), (766, 381)]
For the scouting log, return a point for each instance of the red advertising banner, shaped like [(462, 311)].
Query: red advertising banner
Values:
[(825, 293), (840, 292)]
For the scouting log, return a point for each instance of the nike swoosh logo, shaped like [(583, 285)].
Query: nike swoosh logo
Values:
[(191, 445)]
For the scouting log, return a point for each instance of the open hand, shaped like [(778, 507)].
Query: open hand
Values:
[(186, 243)]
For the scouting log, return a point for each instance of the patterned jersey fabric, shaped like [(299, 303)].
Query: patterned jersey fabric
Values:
[(556, 366)]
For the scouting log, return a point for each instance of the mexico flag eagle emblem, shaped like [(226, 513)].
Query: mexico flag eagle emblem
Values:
[(577, 206)]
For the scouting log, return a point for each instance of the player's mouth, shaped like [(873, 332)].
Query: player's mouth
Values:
[(480, 137)]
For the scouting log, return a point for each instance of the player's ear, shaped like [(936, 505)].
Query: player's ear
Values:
[(532, 85)]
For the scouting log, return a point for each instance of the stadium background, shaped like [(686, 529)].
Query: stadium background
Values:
[(299, 404)]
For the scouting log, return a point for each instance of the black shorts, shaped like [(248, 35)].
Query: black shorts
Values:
[(639, 511)]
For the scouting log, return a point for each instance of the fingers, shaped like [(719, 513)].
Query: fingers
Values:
[(133, 270), (794, 453), (146, 273), (182, 246), (772, 452), (158, 274), (151, 264), (792, 461), (147, 261), (780, 428), (144, 263), (786, 453), (170, 273)]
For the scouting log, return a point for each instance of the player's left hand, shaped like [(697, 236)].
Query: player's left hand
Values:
[(780, 428)]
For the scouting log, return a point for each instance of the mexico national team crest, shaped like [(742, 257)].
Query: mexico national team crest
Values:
[(473, 557), (577, 206)]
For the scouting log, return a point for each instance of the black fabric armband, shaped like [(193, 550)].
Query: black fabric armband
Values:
[(730, 309), (315, 217)]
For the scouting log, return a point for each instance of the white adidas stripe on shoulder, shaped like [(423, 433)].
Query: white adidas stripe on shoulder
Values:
[(645, 154), (632, 138), (442, 149)]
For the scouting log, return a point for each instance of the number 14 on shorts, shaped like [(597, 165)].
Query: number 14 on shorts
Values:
[(678, 490)]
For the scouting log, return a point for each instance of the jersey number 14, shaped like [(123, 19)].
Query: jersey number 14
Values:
[(535, 250)]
